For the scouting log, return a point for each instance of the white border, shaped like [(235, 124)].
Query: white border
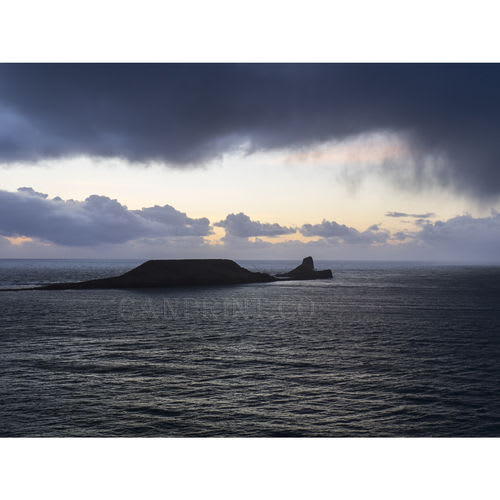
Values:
[(261, 30), (249, 468)]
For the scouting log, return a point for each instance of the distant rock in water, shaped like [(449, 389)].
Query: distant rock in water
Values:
[(191, 272), (306, 271)]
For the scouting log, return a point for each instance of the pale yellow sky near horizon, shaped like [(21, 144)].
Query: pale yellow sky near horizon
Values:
[(289, 188)]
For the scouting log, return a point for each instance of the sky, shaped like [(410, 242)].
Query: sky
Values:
[(250, 161)]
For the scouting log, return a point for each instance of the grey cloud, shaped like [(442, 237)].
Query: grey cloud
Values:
[(32, 192), (94, 221), (401, 236), (332, 229), (241, 226), (464, 235), (189, 113), (177, 222), (427, 215), (463, 238)]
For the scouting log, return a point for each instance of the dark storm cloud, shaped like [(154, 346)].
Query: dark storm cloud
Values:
[(346, 234), (186, 114), (94, 221), (415, 216), (241, 226)]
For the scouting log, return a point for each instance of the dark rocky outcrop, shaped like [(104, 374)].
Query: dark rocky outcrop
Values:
[(166, 273), (306, 271), (192, 272)]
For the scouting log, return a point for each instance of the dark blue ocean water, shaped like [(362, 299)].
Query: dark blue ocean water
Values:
[(383, 349)]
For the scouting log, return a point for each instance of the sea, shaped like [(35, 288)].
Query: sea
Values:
[(384, 349)]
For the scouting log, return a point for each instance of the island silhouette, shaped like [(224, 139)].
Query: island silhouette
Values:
[(191, 272)]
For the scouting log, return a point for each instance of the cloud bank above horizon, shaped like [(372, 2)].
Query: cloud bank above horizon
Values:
[(184, 115), (99, 226), (96, 220)]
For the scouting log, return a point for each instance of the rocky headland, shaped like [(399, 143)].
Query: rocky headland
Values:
[(191, 272)]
